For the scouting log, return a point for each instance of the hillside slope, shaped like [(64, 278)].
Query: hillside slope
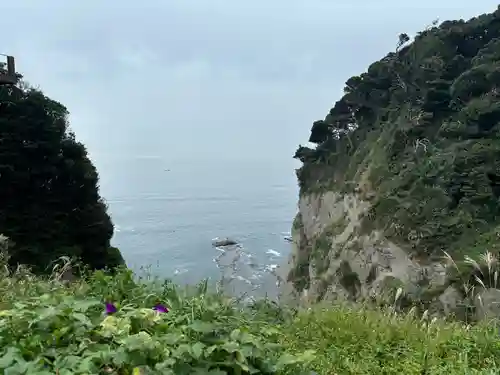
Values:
[(407, 165)]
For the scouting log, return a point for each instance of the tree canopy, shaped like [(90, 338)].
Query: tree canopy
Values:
[(49, 200), (421, 129)]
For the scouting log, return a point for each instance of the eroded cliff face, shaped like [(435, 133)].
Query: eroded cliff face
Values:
[(335, 258), (404, 168)]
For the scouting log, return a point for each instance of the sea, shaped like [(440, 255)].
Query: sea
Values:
[(168, 214)]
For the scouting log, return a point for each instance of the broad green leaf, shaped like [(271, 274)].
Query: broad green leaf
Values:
[(307, 356), (6, 313), (210, 350), (84, 305), (168, 363), (87, 366), (172, 338), (181, 350), (201, 327), (285, 360), (9, 357), (82, 319), (230, 346), (239, 356), (120, 357), (235, 335), (67, 361), (141, 340), (197, 350)]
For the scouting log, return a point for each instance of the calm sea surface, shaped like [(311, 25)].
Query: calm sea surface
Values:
[(166, 215)]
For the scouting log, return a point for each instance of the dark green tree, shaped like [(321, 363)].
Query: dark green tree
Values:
[(49, 200), (320, 132), (421, 127)]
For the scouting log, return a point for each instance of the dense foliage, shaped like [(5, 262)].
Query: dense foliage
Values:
[(418, 134), (50, 328), (49, 200)]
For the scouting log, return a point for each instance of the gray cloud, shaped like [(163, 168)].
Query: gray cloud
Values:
[(205, 79)]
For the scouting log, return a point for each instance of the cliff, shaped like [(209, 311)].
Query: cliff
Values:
[(405, 169)]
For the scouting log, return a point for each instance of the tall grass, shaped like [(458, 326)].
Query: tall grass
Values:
[(50, 326), (360, 341)]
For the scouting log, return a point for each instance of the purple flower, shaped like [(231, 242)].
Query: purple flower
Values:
[(110, 308), (160, 308)]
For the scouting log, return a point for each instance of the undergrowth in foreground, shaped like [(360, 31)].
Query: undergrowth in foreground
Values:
[(49, 327), (359, 341)]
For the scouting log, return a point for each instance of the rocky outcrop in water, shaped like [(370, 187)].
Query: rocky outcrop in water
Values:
[(222, 242)]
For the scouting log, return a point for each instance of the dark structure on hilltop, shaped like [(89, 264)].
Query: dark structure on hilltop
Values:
[(49, 200), (8, 76)]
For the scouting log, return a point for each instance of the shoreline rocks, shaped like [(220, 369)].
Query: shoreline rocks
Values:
[(222, 242)]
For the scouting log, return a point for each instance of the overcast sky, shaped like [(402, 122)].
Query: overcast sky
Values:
[(205, 78)]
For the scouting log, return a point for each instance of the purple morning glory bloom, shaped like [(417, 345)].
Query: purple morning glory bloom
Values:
[(110, 308), (160, 308)]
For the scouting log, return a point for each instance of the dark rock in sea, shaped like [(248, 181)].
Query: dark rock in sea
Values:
[(221, 242)]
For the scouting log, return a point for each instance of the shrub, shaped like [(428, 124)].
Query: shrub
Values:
[(47, 328)]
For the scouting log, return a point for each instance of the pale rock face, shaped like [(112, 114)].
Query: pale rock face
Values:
[(330, 224), (449, 301), (487, 303)]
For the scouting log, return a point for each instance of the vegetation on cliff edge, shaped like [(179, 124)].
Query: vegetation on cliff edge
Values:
[(49, 200), (418, 134), (47, 327)]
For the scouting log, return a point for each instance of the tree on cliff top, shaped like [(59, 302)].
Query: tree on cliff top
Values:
[(49, 200), (420, 129)]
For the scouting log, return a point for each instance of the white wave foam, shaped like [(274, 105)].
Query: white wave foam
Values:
[(273, 252), (180, 271), (271, 267), (241, 278)]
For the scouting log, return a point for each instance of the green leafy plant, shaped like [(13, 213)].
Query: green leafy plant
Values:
[(70, 328)]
